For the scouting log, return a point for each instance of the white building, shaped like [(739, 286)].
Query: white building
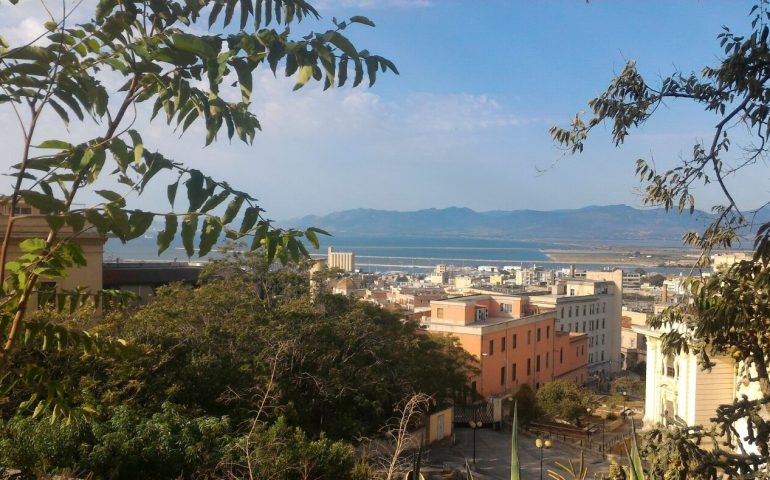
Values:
[(591, 305)]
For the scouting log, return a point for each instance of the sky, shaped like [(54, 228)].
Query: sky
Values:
[(466, 122)]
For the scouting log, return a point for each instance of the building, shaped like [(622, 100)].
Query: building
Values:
[(633, 344), (515, 342), (632, 280), (591, 305), (143, 278), (30, 223), (343, 260)]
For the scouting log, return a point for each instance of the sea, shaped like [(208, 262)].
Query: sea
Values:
[(398, 253)]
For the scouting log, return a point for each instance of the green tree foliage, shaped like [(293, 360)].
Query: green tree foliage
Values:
[(178, 60), (526, 404), (240, 376), (563, 399), (632, 386), (728, 313)]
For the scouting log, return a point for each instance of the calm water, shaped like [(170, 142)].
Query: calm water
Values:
[(394, 253)]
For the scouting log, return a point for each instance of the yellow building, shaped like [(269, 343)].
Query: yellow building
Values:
[(342, 260), (30, 223)]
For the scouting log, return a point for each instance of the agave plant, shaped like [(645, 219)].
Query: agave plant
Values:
[(570, 472), (636, 470), (515, 467)]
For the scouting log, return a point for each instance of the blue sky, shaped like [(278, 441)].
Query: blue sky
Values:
[(466, 123)]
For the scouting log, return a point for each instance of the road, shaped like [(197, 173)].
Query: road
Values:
[(493, 455)]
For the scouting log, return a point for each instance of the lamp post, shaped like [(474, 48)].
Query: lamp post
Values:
[(542, 444), (474, 424), (588, 411)]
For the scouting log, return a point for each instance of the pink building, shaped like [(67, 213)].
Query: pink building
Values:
[(514, 341)]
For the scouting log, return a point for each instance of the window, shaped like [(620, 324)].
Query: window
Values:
[(602, 355), (602, 339), (561, 355), (562, 312), (481, 314), (513, 341), (537, 364), (502, 375), (506, 307), (547, 357), (570, 312), (604, 306), (491, 347), (584, 327), (582, 350), (439, 312), (571, 292), (670, 370), (603, 323), (529, 337), (584, 310), (529, 366), (502, 344), (590, 358), (538, 334), (561, 327), (22, 211), (547, 331), (513, 372)]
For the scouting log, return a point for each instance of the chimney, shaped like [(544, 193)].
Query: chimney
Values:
[(664, 295), (572, 271)]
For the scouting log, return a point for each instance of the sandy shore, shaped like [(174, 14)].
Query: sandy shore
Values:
[(626, 255)]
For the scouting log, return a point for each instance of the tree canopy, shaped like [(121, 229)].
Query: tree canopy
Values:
[(182, 63), (727, 313), (226, 369)]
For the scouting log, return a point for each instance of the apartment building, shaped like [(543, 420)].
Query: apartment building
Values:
[(30, 223), (343, 260), (591, 305), (633, 345), (515, 342)]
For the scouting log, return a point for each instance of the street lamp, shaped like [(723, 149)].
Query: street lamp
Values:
[(474, 424), (542, 444)]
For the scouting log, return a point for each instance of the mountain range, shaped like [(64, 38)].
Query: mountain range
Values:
[(594, 223)]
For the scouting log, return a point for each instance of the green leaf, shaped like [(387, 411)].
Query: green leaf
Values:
[(33, 245), (189, 226), (138, 146), (171, 192), (77, 221), (167, 235), (214, 201), (250, 217), (305, 73), (194, 44), (244, 78), (362, 20), (42, 201), (232, 209), (340, 41), (55, 144), (112, 197), (195, 192), (139, 222), (209, 235)]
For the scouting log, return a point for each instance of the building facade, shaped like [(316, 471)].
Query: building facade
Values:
[(514, 341), (591, 305), (343, 260), (30, 223)]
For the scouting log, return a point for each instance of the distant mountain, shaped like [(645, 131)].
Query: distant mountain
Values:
[(594, 223)]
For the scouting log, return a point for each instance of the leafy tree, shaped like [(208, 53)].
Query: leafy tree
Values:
[(655, 279), (727, 313), (176, 74), (527, 404), (630, 385), (563, 399)]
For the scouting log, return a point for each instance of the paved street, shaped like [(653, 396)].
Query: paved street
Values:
[(493, 455)]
